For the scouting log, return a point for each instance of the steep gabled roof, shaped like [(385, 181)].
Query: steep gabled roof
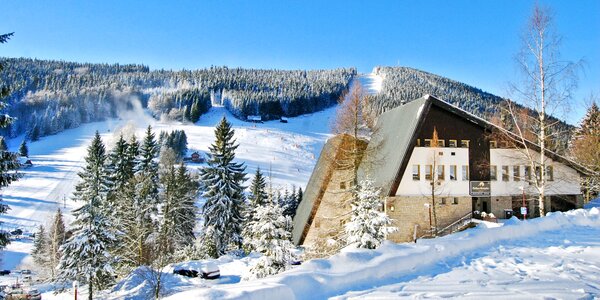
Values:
[(393, 140), (396, 137)]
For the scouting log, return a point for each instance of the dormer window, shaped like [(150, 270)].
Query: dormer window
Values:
[(452, 143)]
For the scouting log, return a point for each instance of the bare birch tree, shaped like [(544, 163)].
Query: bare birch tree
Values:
[(546, 86)]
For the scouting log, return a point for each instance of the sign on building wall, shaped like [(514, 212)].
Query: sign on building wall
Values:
[(479, 188)]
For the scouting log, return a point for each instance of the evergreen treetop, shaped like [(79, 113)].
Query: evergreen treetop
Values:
[(23, 149), (222, 185)]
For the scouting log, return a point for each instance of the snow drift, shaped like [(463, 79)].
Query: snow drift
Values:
[(358, 269)]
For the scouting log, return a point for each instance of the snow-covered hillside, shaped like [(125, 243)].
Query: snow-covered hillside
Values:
[(553, 257), (288, 151), (371, 82)]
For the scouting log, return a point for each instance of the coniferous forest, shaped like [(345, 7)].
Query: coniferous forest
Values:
[(48, 96)]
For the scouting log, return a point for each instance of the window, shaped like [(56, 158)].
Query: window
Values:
[(443, 201), (427, 142), (464, 143), (527, 173), (440, 172), (452, 172), (428, 172), (418, 142), (453, 153), (493, 172), (441, 153), (549, 173), (516, 173), (441, 143), (455, 201), (342, 185), (493, 145), (465, 173), (505, 173), (416, 172), (538, 172), (452, 143)]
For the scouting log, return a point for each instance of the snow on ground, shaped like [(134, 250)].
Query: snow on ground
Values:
[(287, 150), (553, 257), (46, 186)]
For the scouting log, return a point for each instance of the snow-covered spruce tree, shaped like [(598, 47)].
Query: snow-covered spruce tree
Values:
[(290, 203), (3, 146), (56, 238), (258, 198), (585, 147), (272, 239), (120, 166), (8, 160), (23, 149), (206, 246), (146, 199), (178, 213), (40, 248), (221, 182), (85, 255), (368, 226), (258, 189)]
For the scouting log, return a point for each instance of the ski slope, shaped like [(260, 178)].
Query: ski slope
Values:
[(287, 152), (371, 82)]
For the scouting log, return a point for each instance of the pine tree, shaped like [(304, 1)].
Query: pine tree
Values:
[(40, 247), (23, 149), (34, 133), (141, 203), (8, 160), (186, 114), (272, 239), (590, 124), (258, 197), (3, 146), (120, 168), (299, 196), (56, 238), (195, 112), (290, 202), (221, 183), (207, 246), (585, 149), (85, 255), (258, 194), (178, 217), (368, 226)]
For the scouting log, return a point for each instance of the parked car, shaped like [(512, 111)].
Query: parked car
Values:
[(26, 272), (210, 270), (18, 231), (4, 272), (34, 294), (186, 273)]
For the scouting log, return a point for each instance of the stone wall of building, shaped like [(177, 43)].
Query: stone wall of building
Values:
[(333, 210), (406, 212)]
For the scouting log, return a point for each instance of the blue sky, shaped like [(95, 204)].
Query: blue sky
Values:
[(471, 41)]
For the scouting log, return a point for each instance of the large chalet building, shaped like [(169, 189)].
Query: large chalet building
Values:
[(467, 171)]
